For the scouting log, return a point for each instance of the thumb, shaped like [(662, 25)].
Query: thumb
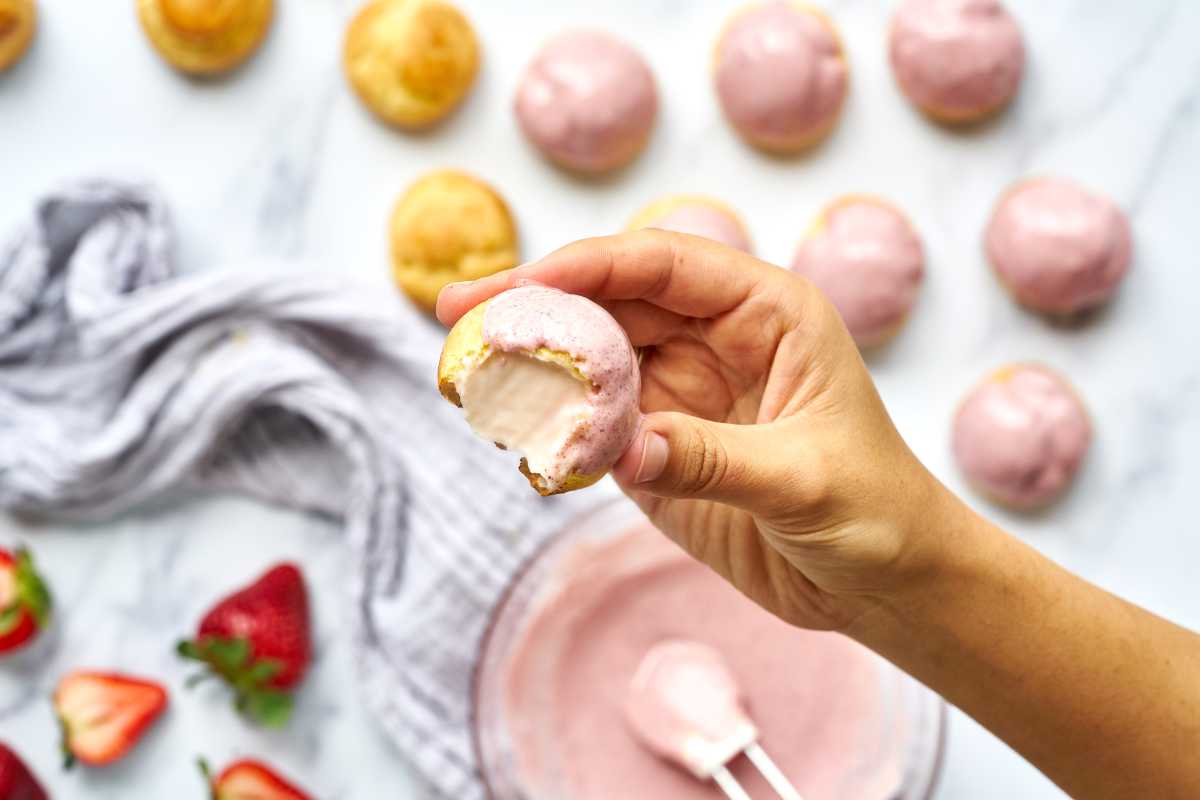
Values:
[(677, 455)]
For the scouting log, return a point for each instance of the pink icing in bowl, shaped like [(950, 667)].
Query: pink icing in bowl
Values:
[(562, 648)]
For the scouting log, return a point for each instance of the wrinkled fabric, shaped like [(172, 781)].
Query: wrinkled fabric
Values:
[(122, 382)]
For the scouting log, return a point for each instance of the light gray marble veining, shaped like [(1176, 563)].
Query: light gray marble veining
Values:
[(280, 161)]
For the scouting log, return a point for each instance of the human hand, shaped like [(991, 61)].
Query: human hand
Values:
[(765, 450)]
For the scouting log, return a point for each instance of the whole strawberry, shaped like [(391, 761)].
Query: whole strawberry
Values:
[(16, 781), (258, 640), (24, 601), (248, 779)]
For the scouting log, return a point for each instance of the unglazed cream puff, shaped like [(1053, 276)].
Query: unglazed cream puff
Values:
[(587, 101), (410, 61), (204, 37), (547, 374), (957, 60), (1021, 435), (18, 21), (1059, 248), (781, 75), (449, 226), (864, 254), (696, 214)]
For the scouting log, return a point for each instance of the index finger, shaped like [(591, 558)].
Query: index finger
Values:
[(687, 275)]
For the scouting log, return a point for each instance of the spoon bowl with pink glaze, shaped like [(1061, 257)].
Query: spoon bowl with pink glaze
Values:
[(685, 706)]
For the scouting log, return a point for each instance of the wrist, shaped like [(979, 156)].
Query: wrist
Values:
[(940, 541)]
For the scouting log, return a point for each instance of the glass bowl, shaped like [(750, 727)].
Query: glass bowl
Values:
[(523, 755)]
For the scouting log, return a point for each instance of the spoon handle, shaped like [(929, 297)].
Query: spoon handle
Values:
[(774, 775), (729, 785)]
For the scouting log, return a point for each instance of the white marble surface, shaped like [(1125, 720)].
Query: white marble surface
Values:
[(280, 161)]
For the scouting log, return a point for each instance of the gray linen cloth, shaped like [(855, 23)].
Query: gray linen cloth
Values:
[(121, 382)]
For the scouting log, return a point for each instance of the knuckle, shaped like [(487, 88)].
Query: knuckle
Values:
[(705, 462)]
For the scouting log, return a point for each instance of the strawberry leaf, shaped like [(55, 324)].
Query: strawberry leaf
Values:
[(9, 617), (262, 671), (230, 659), (31, 589), (268, 707), (188, 649), (226, 655)]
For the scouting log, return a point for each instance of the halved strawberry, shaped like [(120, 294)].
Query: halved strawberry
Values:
[(258, 640), (248, 779), (104, 714), (16, 781), (24, 600)]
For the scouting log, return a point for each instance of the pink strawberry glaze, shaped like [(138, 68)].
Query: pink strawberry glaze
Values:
[(869, 262), (1060, 248), (817, 698), (528, 317), (588, 101), (701, 219), (1021, 436), (780, 76), (959, 58)]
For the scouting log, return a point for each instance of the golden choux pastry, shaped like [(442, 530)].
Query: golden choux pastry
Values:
[(204, 37), (18, 19), (449, 227), (549, 375), (410, 61)]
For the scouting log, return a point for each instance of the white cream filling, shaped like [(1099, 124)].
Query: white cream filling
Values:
[(528, 405)]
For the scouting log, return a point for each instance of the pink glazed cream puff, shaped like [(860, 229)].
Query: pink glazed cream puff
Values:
[(781, 75), (550, 375), (1059, 248), (1021, 435), (588, 101), (868, 260), (698, 215), (957, 60)]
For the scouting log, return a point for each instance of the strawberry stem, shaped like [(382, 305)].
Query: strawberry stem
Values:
[(65, 743)]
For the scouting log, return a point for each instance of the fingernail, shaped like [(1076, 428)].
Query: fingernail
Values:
[(456, 284), (654, 458)]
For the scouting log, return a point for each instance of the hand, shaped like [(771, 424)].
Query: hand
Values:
[(765, 450)]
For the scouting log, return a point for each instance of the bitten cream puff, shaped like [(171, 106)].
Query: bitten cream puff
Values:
[(410, 61), (1059, 248), (587, 101), (698, 215), (781, 75), (550, 375), (204, 37), (868, 260), (449, 226), (1021, 435), (18, 20), (957, 60)]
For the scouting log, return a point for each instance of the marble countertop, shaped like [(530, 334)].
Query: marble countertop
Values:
[(280, 161)]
